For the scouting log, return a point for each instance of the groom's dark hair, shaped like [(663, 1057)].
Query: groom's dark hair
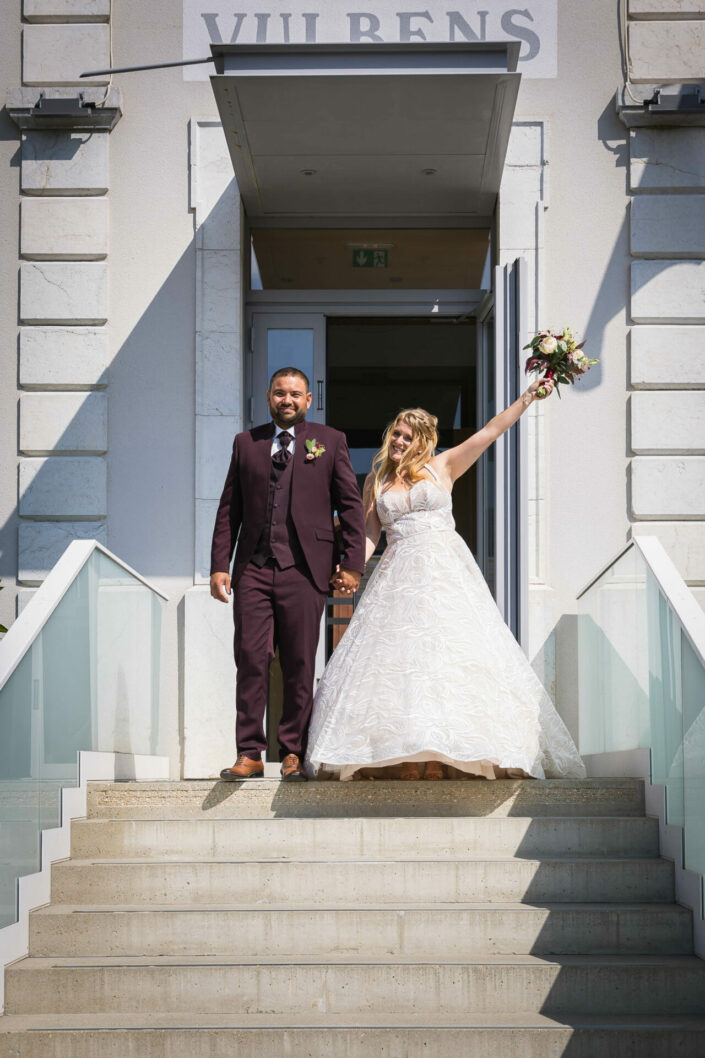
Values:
[(282, 371)]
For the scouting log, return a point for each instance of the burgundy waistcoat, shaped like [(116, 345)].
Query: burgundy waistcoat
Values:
[(278, 537)]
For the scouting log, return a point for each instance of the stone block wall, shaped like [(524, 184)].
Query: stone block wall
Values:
[(667, 232), (63, 295), (666, 39)]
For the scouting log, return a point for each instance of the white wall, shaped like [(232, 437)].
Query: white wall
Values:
[(153, 297)]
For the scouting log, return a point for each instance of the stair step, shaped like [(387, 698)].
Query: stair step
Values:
[(266, 798), (409, 931), (204, 1036), (616, 985), (371, 838), (588, 880)]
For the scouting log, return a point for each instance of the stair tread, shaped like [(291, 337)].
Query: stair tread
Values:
[(361, 908), (357, 860), (34, 962), (37, 1022), (208, 784), (269, 797), (337, 823)]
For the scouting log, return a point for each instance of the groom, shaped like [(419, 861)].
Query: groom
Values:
[(284, 482)]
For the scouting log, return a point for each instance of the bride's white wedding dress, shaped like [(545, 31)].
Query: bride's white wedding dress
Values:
[(427, 668)]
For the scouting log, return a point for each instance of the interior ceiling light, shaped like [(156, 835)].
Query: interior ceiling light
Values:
[(429, 172), (309, 172)]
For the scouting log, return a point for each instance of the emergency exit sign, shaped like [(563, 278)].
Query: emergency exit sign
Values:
[(370, 258)]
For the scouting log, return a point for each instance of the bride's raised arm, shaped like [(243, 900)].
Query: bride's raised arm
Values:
[(453, 463), (373, 526)]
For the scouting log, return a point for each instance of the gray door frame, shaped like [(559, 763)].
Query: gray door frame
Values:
[(511, 545)]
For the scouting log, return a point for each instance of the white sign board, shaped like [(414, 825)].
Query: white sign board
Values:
[(333, 22)]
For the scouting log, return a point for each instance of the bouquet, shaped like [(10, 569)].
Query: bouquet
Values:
[(560, 358)]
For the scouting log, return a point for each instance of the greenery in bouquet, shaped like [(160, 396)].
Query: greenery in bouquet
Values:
[(560, 358)]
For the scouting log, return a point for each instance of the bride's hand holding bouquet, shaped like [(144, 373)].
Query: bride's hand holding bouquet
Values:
[(546, 385), (559, 357)]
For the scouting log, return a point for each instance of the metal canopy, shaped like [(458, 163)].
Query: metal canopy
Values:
[(353, 133)]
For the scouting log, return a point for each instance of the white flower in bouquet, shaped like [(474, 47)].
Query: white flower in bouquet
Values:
[(548, 345)]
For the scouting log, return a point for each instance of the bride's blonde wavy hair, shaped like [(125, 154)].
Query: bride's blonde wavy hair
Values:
[(424, 429)]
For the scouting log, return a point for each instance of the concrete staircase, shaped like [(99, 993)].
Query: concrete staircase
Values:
[(507, 919)]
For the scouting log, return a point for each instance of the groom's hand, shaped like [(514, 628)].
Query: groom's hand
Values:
[(220, 586), (346, 580)]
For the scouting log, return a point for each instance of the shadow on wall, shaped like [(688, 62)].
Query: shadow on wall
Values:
[(611, 300), (591, 675), (150, 458), (613, 293), (555, 664)]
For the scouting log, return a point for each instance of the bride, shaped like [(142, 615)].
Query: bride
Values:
[(428, 677)]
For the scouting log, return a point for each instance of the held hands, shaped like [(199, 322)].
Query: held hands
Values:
[(345, 580), (220, 586)]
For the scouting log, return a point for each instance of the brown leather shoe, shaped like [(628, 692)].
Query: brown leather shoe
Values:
[(243, 768), (291, 769)]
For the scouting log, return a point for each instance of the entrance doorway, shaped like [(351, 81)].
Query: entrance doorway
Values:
[(377, 366), (363, 370), (369, 176)]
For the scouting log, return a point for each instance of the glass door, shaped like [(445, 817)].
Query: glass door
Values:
[(291, 340), (502, 474)]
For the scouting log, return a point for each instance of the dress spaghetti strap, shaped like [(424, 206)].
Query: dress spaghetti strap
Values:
[(432, 472)]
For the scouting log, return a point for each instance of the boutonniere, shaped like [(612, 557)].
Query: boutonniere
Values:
[(314, 449)]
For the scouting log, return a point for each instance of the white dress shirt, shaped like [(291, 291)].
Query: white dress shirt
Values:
[(276, 443)]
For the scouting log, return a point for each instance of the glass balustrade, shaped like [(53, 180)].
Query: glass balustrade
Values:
[(88, 681), (642, 681), (614, 666)]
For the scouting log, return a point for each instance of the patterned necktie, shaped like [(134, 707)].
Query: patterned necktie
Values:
[(284, 455)]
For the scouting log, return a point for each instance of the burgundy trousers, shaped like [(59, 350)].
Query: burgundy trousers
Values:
[(275, 608)]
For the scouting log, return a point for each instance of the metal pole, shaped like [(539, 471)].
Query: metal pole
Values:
[(149, 66)]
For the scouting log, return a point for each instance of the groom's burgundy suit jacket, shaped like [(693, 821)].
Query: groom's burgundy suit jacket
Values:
[(318, 487)]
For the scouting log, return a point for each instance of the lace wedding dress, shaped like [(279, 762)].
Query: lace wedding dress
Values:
[(427, 668)]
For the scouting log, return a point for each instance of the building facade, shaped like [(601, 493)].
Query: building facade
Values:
[(171, 233)]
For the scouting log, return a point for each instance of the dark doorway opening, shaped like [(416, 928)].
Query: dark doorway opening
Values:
[(377, 366)]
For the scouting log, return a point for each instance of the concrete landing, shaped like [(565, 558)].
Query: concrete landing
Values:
[(272, 798)]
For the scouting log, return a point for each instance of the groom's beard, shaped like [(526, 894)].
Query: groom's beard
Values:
[(286, 423)]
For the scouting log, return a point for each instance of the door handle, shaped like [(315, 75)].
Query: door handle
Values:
[(319, 401)]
